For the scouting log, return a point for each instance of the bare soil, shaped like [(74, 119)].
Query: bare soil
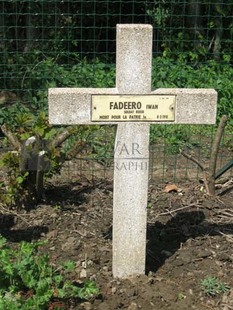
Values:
[(189, 237)]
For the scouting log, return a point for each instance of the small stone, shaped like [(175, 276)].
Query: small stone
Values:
[(90, 263), (105, 268), (211, 302), (190, 274), (83, 274), (84, 264), (86, 306), (133, 306)]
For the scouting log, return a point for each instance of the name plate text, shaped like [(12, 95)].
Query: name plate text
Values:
[(133, 108)]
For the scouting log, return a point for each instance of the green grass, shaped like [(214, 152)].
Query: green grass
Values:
[(212, 286)]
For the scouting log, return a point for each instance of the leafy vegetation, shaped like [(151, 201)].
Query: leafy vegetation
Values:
[(188, 28), (39, 152), (212, 286), (29, 280), (21, 164), (48, 73), (167, 72), (183, 74)]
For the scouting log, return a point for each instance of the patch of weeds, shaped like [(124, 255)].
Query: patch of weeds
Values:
[(57, 207), (28, 280), (181, 296), (212, 286)]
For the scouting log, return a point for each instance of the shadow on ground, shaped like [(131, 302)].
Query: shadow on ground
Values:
[(7, 222), (165, 239)]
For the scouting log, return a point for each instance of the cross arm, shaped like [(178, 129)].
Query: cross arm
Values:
[(72, 106), (193, 106)]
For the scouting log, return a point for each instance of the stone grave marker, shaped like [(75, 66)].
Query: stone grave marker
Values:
[(133, 107)]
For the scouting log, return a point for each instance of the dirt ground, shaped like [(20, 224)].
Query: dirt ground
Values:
[(189, 237)]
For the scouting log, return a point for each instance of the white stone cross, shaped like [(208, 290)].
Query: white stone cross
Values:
[(133, 107)]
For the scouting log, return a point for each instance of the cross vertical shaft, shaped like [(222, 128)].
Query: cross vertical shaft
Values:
[(131, 159)]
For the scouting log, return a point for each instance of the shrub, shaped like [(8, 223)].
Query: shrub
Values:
[(29, 281)]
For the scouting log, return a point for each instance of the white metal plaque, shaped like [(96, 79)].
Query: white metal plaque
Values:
[(133, 108)]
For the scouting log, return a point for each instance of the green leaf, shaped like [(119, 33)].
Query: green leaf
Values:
[(2, 241), (39, 130), (20, 179), (69, 265)]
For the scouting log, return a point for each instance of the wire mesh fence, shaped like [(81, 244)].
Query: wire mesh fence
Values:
[(88, 27), (46, 43)]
